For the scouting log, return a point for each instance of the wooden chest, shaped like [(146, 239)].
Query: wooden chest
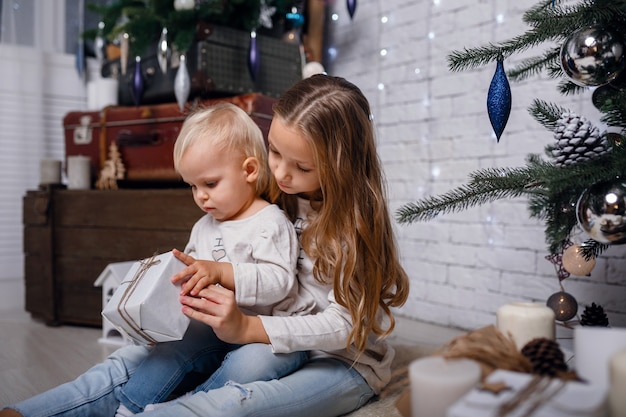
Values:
[(70, 236)]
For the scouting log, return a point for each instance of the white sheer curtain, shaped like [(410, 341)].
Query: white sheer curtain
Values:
[(39, 84)]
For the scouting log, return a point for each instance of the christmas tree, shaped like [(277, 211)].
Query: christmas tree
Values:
[(143, 20), (578, 183)]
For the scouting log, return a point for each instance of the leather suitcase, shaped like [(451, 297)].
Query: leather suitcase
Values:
[(145, 135)]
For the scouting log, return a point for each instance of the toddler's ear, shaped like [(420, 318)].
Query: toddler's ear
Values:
[(251, 168)]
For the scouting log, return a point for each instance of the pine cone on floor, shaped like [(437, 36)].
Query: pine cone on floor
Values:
[(576, 140), (546, 357), (594, 316)]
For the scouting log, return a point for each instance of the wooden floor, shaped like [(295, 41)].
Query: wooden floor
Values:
[(35, 357)]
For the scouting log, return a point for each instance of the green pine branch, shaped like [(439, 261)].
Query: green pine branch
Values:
[(534, 66), (547, 114), (592, 249), (143, 20), (612, 104), (485, 186), (552, 191), (548, 23)]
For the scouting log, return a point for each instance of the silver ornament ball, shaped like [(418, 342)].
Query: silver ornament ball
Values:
[(592, 56), (564, 305), (601, 212)]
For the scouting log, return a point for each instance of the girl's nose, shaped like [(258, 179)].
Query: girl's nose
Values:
[(281, 172)]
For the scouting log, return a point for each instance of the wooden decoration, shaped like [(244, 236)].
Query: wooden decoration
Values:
[(112, 170)]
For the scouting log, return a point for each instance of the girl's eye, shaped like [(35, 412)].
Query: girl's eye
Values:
[(305, 170), (211, 184)]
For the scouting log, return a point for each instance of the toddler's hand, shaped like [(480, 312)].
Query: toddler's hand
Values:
[(198, 274)]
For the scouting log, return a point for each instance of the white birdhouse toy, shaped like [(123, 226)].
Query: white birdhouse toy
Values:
[(109, 279)]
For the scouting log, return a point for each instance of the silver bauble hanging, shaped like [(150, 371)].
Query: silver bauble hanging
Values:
[(182, 83), (163, 51), (592, 56), (601, 212)]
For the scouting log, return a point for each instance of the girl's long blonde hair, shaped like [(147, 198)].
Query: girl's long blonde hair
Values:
[(351, 239)]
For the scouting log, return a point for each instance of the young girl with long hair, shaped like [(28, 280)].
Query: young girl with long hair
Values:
[(329, 180)]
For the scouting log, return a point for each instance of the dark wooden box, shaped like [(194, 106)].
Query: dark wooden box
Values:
[(70, 236)]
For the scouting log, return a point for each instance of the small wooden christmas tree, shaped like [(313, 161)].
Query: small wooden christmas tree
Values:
[(112, 170)]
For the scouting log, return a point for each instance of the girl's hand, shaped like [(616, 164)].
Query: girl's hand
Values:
[(200, 274), (216, 307)]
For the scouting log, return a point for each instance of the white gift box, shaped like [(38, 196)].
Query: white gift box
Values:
[(548, 398), (146, 304)]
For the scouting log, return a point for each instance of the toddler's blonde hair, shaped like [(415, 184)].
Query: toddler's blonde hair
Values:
[(228, 127)]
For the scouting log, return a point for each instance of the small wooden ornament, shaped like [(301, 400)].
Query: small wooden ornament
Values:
[(112, 170)]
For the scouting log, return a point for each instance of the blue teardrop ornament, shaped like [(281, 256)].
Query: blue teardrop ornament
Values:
[(351, 4), (137, 82), (499, 100), (254, 60), (81, 63)]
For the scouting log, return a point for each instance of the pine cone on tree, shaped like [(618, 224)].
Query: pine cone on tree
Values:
[(577, 140), (546, 357), (594, 316)]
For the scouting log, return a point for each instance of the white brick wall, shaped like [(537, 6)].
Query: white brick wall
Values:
[(434, 130)]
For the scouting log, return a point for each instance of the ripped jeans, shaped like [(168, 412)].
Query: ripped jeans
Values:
[(200, 352), (321, 388)]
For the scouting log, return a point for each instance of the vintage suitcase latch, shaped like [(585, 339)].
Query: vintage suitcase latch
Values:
[(82, 134)]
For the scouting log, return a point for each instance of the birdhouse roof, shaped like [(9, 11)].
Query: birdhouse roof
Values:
[(115, 271)]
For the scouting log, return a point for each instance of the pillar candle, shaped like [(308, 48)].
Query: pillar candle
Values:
[(107, 92), (437, 383), (101, 93), (49, 171), (525, 321), (78, 172), (617, 384), (92, 96), (593, 347)]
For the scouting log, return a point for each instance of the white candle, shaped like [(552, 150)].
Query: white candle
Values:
[(525, 322), (78, 172), (593, 347), (92, 96), (437, 383), (49, 171), (101, 93), (107, 92), (617, 384)]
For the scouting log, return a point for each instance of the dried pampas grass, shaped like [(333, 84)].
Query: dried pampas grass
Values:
[(490, 348)]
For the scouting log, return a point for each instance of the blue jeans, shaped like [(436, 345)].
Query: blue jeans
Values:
[(92, 393), (321, 388), (168, 364), (253, 362), (200, 351)]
